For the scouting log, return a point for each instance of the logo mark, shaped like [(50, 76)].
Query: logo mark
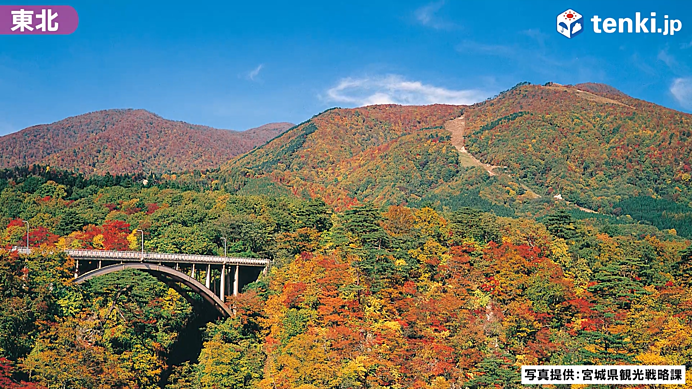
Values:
[(570, 23)]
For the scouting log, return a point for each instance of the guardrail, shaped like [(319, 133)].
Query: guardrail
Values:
[(138, 256)]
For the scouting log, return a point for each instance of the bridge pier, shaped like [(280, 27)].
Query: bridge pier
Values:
[(193, 271), (236, 280), (208, 280), (229, 280), (222, 289)]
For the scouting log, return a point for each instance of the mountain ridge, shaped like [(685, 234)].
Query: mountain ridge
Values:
[(128, 141), (589, 144)]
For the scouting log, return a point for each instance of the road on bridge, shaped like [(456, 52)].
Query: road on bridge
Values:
[(172, 269)]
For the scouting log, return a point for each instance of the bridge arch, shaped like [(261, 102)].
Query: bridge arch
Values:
[(158, 271)]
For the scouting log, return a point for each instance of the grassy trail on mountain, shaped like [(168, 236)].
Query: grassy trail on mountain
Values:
[(587, 95), (457, 127)]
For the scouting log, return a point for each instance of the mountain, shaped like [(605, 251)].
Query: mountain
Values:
[(346, 155), (438, 295), (267, 131), (588, 145), (127, 141)]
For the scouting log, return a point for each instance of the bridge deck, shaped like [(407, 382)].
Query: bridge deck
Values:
[(138, 256)]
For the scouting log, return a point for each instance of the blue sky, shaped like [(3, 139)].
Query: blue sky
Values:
[(238, 65)]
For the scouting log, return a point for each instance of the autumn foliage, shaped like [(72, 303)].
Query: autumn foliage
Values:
[(128, 141), (393, 265)]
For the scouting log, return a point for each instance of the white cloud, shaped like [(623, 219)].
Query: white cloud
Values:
[(668, 59), (426, 16), (394, 89), (255, 72), (682, 91)]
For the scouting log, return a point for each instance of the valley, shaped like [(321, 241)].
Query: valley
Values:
[(395, 256)]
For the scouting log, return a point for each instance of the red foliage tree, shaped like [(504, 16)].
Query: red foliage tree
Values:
[(6, 381)]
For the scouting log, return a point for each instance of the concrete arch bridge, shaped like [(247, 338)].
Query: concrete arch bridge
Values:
[(212, 277)]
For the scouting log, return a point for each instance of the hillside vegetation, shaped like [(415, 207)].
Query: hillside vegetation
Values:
[(122, 141), (591, 144), (347, 155), (594, 149), (368, 297), (395, 261)]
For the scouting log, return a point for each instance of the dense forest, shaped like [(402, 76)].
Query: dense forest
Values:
[(593, 149), (591, 144), (395, 263), (370, 296)]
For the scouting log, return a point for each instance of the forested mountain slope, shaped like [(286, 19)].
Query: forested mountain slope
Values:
[(362, 292), (128, 141), (591, 144), (395, 297), (347, 155)]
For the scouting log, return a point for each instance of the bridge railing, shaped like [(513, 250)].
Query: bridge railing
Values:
[(138, 256)]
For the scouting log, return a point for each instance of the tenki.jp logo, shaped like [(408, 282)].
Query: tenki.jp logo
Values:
[(38, 19), (570, 23)]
